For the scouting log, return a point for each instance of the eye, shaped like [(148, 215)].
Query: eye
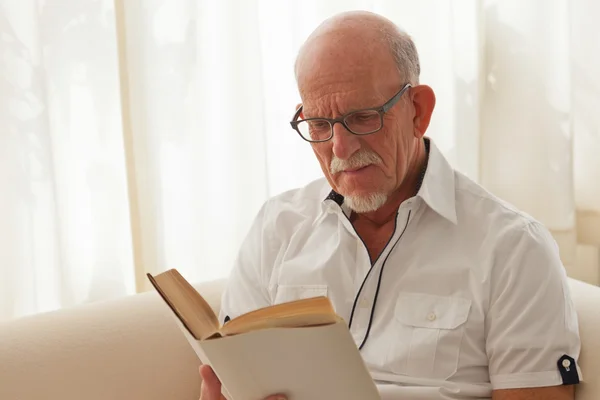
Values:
[(364, 116), (318, 124), (363, 121)]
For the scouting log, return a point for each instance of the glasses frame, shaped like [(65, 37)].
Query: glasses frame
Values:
[(381, 110)]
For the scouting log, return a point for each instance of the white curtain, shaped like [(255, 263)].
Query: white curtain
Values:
[(64, 219), (140, 135), (540, 126)]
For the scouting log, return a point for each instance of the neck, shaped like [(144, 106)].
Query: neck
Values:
[(408, 188)]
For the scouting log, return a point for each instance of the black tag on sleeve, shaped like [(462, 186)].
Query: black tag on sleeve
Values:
[(568, 370), (227, 319)]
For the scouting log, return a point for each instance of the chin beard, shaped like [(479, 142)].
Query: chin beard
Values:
[(365, 204)]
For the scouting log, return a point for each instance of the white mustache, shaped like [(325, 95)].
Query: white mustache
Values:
[(360, 159)]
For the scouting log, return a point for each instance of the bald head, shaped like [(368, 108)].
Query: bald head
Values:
[(355, 68), (360, 36)]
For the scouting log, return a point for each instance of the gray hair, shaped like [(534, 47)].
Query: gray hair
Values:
[(405, 54)]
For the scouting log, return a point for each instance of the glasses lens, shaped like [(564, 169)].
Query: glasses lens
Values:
[(363, 122), (315, 129)]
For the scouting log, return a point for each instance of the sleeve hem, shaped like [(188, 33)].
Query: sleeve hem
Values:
[(529, 380)]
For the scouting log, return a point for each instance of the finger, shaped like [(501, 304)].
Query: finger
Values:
[(211, 386), (277, 397)]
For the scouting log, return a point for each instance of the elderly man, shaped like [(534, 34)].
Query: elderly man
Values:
[(449, 292)]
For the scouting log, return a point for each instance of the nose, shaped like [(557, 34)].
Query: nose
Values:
[(344, 143)]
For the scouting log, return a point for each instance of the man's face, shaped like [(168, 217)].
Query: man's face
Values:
[(365, 169)]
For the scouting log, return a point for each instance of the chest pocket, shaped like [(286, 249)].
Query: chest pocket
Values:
[(428, 332), (287, 293)]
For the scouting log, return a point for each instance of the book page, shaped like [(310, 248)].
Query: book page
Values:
[(304, 312), (306, 363)]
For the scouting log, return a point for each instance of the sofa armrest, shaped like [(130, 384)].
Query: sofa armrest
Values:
[(123, 349)]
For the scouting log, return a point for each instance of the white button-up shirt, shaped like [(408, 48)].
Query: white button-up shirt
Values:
[(469, 295)]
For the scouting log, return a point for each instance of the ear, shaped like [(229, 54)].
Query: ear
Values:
[(297, 107), (423, 99)]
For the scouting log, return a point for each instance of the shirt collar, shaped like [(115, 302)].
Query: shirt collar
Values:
[(436, 187)]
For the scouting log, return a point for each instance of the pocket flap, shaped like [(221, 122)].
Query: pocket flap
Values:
[(431, 311), (287, 293)]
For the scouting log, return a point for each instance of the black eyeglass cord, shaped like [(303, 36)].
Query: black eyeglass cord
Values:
[(378, 285)]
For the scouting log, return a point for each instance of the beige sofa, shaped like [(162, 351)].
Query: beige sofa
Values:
[(130, 348)]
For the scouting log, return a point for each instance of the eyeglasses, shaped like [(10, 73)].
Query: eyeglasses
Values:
[(359, 122)]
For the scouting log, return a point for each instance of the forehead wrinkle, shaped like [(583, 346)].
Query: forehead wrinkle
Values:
[(335, 103), (333, 95)]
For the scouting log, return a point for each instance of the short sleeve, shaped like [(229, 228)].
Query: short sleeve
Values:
[(247, 285), (532, 336)]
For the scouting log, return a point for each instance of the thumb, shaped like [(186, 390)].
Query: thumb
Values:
[(211, 386)]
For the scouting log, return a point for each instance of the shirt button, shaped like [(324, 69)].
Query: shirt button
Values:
[(566, 363), (431, 317)]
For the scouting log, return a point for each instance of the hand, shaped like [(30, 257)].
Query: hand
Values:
[(211, 386)]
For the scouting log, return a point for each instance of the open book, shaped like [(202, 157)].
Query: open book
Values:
[(300, 348)]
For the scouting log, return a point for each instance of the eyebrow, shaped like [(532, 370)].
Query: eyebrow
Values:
[(354, 109)]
